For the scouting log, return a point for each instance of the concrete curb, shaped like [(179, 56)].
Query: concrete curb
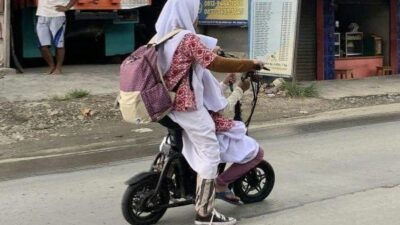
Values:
[(342, 114), (361, 96), (73, 150)]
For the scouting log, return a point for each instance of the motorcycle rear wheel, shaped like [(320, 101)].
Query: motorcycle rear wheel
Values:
[(256, 185), (139, 211)]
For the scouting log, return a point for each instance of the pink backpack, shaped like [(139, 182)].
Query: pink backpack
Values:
[(143, 96)]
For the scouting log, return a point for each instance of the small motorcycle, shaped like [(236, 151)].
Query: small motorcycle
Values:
[(171, 182)]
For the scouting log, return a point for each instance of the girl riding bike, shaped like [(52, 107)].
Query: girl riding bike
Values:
[(184, 58)]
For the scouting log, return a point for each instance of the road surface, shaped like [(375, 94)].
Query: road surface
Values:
[(346, 175)]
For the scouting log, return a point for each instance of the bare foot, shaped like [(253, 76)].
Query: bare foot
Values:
[(229, 196), (57, 72), (233, 197), (219, 188), (50, 71)]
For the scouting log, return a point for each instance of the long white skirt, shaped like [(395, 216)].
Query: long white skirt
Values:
[(236, 146), (205, 150)]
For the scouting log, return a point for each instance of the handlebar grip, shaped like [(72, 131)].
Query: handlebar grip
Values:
[(258, 67), (221, 53)]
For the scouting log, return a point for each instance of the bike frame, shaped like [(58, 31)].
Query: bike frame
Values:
[(169, 158)]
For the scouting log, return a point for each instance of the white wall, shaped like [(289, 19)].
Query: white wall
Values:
[(5, 35)]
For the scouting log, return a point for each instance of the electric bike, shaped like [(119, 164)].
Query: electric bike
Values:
[(171, 182)]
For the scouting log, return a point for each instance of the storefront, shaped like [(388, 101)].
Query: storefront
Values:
[(356, 39), (98, 31), (350, 37)]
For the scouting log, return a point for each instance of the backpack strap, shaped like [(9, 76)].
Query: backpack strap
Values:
[(154, 42), (170, 35)]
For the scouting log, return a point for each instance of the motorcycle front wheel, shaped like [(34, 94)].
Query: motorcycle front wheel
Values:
[(255, 185), (138, 209)]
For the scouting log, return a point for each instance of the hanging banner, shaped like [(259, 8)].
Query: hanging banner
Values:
[(223, 12), (272, 31)]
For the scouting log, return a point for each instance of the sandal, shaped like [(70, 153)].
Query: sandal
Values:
[(223, 197)]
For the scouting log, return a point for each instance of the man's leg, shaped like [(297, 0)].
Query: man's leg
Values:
[(48, 57), (44, 36), (60, 54), (57, 27)]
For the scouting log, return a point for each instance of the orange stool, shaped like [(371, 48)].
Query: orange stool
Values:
[(344, 73), (384, 70)]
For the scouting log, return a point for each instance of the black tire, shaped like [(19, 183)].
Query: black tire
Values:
[(131, 201), (255, 185)]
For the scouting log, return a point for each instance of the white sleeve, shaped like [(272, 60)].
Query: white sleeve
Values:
[(223, 86), (236, 95)]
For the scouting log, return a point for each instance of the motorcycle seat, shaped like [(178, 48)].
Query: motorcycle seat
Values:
[(170, 124)]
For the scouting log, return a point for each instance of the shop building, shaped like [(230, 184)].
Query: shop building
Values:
[(357, 37), (360, 37), (96, 31)]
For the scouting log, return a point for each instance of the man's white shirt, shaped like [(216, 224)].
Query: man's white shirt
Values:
[(47, 8)]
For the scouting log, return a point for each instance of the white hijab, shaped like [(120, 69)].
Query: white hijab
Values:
[(176, 14)]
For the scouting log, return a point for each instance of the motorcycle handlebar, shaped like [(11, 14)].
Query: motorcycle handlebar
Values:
[(263, 68), (255, 84)]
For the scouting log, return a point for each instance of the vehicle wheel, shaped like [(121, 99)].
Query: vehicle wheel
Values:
[(138, 209), (255, 185)]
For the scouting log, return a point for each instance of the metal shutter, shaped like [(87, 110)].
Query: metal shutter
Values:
[(306, 50)]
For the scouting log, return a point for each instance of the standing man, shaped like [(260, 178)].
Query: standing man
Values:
[(50, 30)]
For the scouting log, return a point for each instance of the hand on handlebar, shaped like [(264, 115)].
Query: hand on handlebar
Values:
[(218, 50), (259, 65)]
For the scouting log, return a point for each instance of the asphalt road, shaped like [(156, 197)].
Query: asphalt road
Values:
[(338, 175)]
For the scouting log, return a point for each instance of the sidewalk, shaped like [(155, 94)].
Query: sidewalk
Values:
[(103, 79), (34, 85), (336, 89)]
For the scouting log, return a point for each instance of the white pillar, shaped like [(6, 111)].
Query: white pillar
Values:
[(4, 61), (6, 33), (5, 30)]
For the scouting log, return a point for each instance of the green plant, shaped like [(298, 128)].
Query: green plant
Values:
[(77, 93), (74, 94), (295, 90)]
